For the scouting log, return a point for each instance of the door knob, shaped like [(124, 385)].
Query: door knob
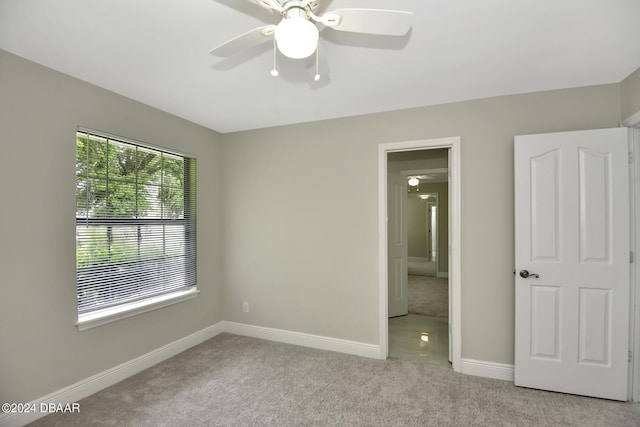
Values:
[(525, 274)]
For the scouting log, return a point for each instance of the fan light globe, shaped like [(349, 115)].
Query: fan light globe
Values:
[(296, 37)]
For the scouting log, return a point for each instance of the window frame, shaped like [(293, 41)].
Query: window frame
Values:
[(99, 316)]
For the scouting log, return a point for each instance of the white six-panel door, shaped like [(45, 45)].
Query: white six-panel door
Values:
[(397, 241), (572, 237)]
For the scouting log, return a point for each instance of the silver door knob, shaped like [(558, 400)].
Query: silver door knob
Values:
[(525, 274)]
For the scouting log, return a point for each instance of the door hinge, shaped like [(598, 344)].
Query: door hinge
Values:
[(630, 158), (631, 257), (630, 356)]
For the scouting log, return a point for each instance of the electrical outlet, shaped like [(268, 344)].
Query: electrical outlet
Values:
[(245, 307)]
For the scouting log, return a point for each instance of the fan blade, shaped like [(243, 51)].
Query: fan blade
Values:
[(244, 41), (268, 4), (369, 21)]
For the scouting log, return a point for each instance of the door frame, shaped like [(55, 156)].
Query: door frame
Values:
[(430, 243), (634, 312), (455, 316), (633, 122)]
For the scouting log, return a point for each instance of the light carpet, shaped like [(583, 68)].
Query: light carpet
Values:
[(428, 295), (231, 380)]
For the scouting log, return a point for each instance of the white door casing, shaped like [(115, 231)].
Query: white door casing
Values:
[(454, 203), (455, 285), (398, 247), (572, 229)]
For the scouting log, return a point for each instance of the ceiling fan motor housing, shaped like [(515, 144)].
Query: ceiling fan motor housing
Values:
[(309, 5)]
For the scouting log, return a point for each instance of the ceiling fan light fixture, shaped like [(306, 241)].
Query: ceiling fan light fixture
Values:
[(296, 36)]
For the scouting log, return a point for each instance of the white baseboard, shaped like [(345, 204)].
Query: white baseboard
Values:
[(306, 340), (102, 380), (480, 368)]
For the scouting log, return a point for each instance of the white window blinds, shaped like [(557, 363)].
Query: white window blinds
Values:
[(135, 221)]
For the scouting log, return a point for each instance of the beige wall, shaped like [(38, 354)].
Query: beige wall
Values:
[(630, 94), (404, 161), (304, 250), (41, 349)]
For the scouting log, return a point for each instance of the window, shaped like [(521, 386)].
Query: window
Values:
[(135, 227)]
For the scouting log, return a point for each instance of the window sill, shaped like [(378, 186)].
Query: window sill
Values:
[(111, 314)]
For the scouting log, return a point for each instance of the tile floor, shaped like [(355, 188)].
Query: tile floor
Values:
[(406, 338)]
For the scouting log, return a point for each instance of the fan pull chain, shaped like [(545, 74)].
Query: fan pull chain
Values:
[(317, 76), (274, 72)]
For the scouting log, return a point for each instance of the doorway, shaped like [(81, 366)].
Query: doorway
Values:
[(453, 326), (422, 331)]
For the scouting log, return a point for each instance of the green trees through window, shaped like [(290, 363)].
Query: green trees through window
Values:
[(135, 221)]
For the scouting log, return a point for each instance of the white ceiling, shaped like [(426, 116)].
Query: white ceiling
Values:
[(157, 52)]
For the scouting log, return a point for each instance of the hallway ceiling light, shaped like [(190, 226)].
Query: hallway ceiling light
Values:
[(413, 181)]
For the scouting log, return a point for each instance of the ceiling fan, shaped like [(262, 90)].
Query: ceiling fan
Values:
[(296, 36)]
